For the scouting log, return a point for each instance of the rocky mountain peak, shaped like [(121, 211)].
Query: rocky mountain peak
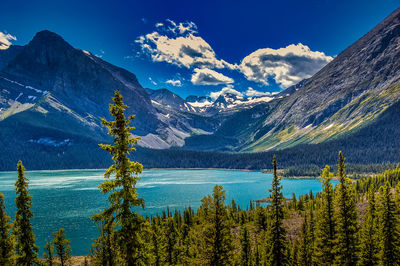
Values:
[(48, 40)]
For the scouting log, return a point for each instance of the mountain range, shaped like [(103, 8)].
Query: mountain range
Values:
[(52, 96)]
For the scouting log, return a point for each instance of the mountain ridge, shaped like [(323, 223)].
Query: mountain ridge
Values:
[(59, 93)]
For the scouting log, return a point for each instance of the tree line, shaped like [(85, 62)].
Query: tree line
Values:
[(352, 223)]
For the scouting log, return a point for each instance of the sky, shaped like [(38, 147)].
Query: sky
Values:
[(209, 47)]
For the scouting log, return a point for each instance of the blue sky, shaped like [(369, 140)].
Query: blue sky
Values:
[(203, 47)]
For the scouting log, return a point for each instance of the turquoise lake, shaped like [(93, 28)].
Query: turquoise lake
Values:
[(69, 198)]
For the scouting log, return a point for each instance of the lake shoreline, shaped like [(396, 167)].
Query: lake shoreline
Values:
[(144, 169)]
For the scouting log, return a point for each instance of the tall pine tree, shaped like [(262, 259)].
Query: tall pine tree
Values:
[(62, 247), (346, 219), (121, 186), (245, 243), (278, 242), (6, 240), (26, 250), (390, 250), (325, 226), (369, 233), (217, 237)]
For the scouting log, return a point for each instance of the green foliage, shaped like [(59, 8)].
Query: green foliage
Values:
[(277, 232), (389, 227), (325, 225), (25, 248), (245, 242), (369, 233), (48, 254), (346, 249), (6, 239), (104, 249), (217, 239), (120, 187), (62, 247)]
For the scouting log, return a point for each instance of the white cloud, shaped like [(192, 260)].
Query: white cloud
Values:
[(228, 89), (254, 93), (5, 40), (152, 81), (181, 28), (176, 83), (177, 44), (206, 76), (286, 66), (159, 25)]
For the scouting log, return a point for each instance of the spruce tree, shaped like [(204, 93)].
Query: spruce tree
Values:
[(261, 218), (48, 254), (346, 219), (389, 228), (257, 254), (6, 240), (62, 247), (157, 240), (26, 250), (171, 248), (369, 233), (104, 250), (217, 237), (121, 186), (245, 243), (305, 249), (325, 234), (278, 242)]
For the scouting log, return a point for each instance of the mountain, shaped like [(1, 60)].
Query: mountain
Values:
[(48, 80), (52, 96), (348, 94)]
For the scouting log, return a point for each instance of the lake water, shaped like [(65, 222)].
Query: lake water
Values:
[(69, 198)]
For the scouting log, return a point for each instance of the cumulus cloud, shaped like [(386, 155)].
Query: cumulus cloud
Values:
[(178, 44), (228, 89), (254, 93), (5, 40), (181, 45), (176, 83), (206, 76), (286, 66)]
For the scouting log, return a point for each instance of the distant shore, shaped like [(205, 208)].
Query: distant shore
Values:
[(144, 169)]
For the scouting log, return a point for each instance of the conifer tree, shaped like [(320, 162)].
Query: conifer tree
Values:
[(369, 233), (121, 187), (325, 226), (346, 219), (171, 248), (186, 229), (26, 250), (62, 247), (48, 254), (217, 235), (261, 218), (6, 240), (305, 248), (157, 239), (257, 254), (245, 243), (389, 228), (278, 242), (294, 257)]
